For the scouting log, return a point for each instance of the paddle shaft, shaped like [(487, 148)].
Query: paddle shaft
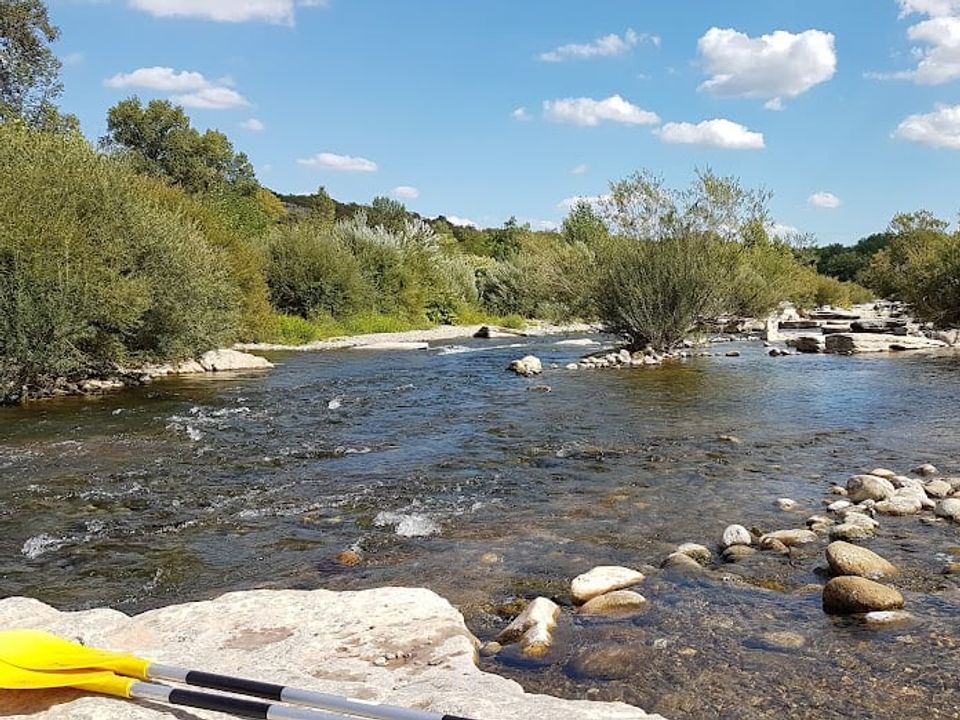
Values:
[(230, 705), (280, 693)]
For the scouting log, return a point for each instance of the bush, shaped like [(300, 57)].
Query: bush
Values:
[(767, 274), (95, 268)]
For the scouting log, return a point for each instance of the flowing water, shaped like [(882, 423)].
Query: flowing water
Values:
[(444, 471)]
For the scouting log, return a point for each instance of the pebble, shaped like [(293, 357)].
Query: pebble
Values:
[(490, 558), (489, 649), (736, 535), (679, 561), (348, 558)]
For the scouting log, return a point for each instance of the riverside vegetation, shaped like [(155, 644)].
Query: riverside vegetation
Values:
[(161, 244)]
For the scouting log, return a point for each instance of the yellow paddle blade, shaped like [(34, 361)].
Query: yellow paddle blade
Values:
[(106, 683), (37, 650)]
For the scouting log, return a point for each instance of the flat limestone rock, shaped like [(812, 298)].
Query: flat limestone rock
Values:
[(224, 360), (404, 646), (601, 580), (852, 343)]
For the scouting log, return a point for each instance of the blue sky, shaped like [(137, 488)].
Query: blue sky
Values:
[(482, 109)]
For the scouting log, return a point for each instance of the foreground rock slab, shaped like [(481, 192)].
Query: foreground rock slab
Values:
[(404, 646)]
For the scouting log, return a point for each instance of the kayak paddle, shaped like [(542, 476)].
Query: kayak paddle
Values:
[(36, 650), (108, 683)]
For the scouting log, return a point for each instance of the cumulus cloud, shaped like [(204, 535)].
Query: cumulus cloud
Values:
[(940, 128), (253, 125), (783, 230), (590, 112), (461, 221), (825, 200), (715, 133), (595, 201), (190, 89), (775, 66), (521, 114), (406, 192), (607, 46), (937, 48), (280, 12), (340, 163)]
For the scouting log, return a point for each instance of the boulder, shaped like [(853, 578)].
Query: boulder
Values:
[(698, 552), (850, 595), (601, 580), (527, 366), (533, 628), (791, 538), (403, 646), (869, 487), (679, 561), (850, 531), (847, 559), (618, 602), (938, 489), (736, 535), (899, 505), (225, 360), (949, 508)]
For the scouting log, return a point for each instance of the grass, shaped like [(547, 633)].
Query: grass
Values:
[(295, 330)]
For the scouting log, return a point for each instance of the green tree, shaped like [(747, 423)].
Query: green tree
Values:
[(387, 213), (29, 70), (162, 143), (583, 224), (323, 207)]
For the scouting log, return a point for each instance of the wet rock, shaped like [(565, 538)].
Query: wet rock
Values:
[(697, 552), (607, 663), (533, 628), (787, 504), (774, 545), (489, 649), (926, 470), (869, 487), (839, 505), (884, 473), (899, 505), (483, 333), (783, 640), (902, 481), (733, 353), (527, 366), (791, 538), (855, 517), (849, 595), (949, 508), (571, 366), (679, 561), (838, 490), (847, 559), (887, 617), (348, 558), (938, 489), (735, 553), (540, 389), (601, 580), (736, 535), (850, 531), (224, 360), (490, 558), (618, 602)]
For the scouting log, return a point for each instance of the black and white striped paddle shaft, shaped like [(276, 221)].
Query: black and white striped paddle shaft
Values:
[(281, 693), (224, 704)]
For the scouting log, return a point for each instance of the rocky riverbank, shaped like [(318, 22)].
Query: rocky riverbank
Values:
[(401, 646)]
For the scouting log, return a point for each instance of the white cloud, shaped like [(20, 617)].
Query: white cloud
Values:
[(715, 133), (594, 200), (253, 125), (74, 58), (273, 11), (933, 8), (825, 200), (548, 225), (212, 98), (407, 192), (462, 222), (607, 46), (191, 89), (340, 163), (783, 230), (776, 105), (940, 128), (580, 169), (937, 39), (590, 112), (521, 114), (778, 65)]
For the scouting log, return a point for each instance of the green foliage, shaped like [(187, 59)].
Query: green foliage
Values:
[(846, 263), (29, 69), (387, 213), (160, 141), (584, 225), (95, 267), (768, 272), (293, 330), (920, 266)]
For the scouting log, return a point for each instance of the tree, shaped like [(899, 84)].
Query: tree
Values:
[(161, 142), (387, 213), (583, 224), (323, 207), (29, 70)]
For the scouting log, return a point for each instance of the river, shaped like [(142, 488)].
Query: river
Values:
[(444, 471)]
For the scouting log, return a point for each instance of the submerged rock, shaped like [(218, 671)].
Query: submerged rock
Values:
[(601, 580), (887, 617), (533, 628), (847, 559), (618, 602), (850, 595)]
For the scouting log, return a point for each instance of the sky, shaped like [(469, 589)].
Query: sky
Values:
[(848, 112)]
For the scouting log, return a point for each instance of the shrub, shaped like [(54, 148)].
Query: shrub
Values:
[(95, 268), (767, 273)]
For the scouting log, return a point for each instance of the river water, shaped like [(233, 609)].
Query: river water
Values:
[(444, 471)]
